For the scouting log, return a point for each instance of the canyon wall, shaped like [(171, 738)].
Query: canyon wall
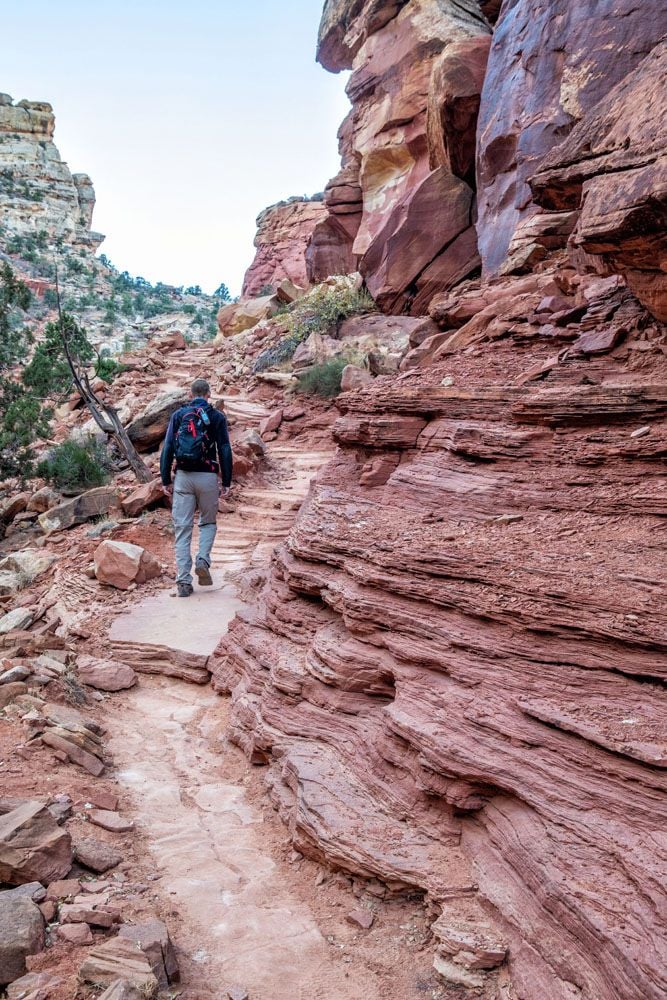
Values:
[(455, 671), (38, 193)]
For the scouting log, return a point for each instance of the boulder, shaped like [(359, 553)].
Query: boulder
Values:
[(21, 934), (271, 423), (32, 845), (354, 378), (168, 342), (240, 316), (93, 503), (153, 938), (103, 674), (121, 959), (19, 618), (421, 228), (148, 429), (284, 232), (96, 854), (20, 569), (252, 442), (144, 496), (119, 564), (10, 691), (12, 506)]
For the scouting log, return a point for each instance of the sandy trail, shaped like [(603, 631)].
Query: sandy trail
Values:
[(239, 922)]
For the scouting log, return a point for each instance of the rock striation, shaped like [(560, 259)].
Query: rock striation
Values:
[(455, 671), (38, 192)]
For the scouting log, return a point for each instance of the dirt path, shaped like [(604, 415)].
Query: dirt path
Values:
[(221, 860)]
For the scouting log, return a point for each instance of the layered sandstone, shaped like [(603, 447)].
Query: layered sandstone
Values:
[(284, 232), (456, 669), (38, 192)]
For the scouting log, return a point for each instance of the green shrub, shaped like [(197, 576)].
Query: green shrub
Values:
[(75, 466), (107, 367), (322, 311), (322, 380)]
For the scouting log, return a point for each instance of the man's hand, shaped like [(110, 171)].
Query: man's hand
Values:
[(224, 491), (169, 490)]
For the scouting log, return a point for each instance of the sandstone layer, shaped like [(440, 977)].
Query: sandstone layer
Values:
[(37, 190), (455, 671)]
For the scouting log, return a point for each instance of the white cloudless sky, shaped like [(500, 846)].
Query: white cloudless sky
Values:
[(190, 117)]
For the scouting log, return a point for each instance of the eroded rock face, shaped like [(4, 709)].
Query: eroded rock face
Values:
[(406, 58), (549, 65), (454, 670), (613, 166), (284, 232), (37, 189)]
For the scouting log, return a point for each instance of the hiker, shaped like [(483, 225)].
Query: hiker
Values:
[(197, 439)]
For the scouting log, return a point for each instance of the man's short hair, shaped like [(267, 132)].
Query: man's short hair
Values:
[(200, 387)]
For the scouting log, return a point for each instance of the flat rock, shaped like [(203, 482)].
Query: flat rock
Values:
[(104, 675), (32, 845), (19, 618), (122, 989), (96, 855), (14, 674), (94, 503), (110, 820), (21, 934), (76, 933), (33, 986), (63, 888), (122, 959)]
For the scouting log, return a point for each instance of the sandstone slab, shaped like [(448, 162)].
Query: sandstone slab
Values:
[(32, 845), (119, 959), (96, 854), (94, 503)]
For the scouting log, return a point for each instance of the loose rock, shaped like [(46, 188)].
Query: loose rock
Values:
[(21, 934)]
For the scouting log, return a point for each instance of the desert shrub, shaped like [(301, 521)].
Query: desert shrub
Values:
[(107, 367), (320, 312), (322, 380), (75, 466)]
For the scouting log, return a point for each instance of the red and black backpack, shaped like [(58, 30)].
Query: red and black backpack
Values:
[(192, 443)]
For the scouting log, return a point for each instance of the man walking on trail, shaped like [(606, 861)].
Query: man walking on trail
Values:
[(198, 441)]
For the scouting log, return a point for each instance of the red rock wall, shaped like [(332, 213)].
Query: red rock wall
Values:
[(417, 71), (456, 670), (284, 232), (550, 63)]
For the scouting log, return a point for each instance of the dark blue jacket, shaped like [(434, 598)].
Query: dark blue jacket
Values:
[(219, 452)]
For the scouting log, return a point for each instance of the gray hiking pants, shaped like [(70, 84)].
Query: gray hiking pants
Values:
[(193, 491)]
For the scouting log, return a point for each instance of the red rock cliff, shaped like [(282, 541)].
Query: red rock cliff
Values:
[(456, 669)]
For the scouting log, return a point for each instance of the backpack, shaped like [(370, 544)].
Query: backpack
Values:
[(192, 443)]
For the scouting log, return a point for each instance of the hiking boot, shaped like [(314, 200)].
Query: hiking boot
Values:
[(184, 589), (203, 573)]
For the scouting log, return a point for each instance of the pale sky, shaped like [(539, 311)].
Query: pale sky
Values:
[(190, 117)]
